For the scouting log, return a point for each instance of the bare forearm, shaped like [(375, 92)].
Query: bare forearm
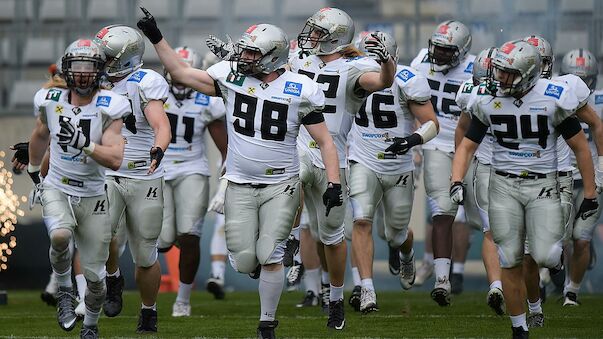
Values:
[(38, 144), (585, 165), (461, 129), (170, 59), (388, 69), (163, 136), (328, 151), (108, 156), (461, 160)]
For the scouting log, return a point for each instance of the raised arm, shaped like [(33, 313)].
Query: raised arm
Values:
[(376, 81)]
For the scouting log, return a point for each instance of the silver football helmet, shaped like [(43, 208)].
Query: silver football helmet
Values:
[(581, 62), (124, 47), (388, 41), (481, 65), (359, 38), (191, 57), (546, 54), (516, 68), (270, 46), (328, 31), (448, 46), (82, 65)]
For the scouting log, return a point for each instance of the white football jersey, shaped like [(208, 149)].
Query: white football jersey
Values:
[(188, 119), (484, 151), (263, 121), (526, 138), (46, 94), (385, 114), (595, 100), (71, 170), (444, 86), (338, 79), (139, 87)]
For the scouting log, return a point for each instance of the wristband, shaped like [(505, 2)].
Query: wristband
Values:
[(89, 149)]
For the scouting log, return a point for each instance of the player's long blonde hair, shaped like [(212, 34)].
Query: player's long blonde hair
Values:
[(55, 81), (351, 52)]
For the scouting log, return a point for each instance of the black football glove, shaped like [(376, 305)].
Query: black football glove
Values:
[(332, 197), (149, 27), (457, 193), (156, 154), (403, 145), (21, 152), (587, 208)]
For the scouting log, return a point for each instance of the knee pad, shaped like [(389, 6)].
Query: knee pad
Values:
[(95, 295), (332, 238), (550, 258), (268, 253), (61, 239), (244, 261), (397, 237)]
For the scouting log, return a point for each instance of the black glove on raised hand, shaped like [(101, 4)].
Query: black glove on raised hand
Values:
[(403, 145), (149, 27), (332, 197), (21, 152), (587, 208)]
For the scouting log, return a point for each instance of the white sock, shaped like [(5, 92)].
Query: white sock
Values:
[(406, 257), (91, 318), (115, 274), (336, 293), (295, 232), (270, 288), (152, 307), (312, 280), (52, 286), (368, 284), (496, 284), (535, 307), (80, 281), (184, 293), (519, 321), (217, 269), (428, 257), (458, 268), (356, 276), (572, 287), (64, 279), (442, 268), (324, 278)]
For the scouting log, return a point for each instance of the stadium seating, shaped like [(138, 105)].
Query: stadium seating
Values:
[(23, 92), (194, 9), (42, 51)]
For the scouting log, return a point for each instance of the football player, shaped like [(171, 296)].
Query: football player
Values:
[(136, 189), (82, 124), (524, 188), (265, 108), (186, 190), (446, 64), (381, 168), (347, 79)]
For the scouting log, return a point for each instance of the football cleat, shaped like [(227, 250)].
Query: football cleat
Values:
[(89, 332), (535, 320), (65, 309), (354, 300), (294, 276), (147, 321), (520, 333), (571, 299), (310, 299), (336, 315), (291, 249), (394, 260), (368, 301), (49, 298), (456, 283), (424, 272), (408, 273), (496, 300), (256, 273), (266, 329), (180, 309), (215, 286), (441, 292), (113, 301)]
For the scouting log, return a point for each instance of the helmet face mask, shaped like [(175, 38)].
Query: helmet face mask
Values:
[(246, 60), (311, 38), (516, 68), (124, 46), (328, 31), (547, 57), (443, 55), (82, 66), (582, 63), (482, 66), (448, 45), (262, 49)]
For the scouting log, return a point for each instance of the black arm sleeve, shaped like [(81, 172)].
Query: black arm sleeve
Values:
[(217, 89), (569, 127), (477, 131), (312, 118)]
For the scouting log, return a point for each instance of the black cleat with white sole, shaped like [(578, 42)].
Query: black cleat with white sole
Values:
[(266, 329), (336, 315)]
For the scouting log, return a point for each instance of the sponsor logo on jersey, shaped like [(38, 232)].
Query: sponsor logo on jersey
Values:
[(553, 91), (293, 88), (385, 156), (275, 171), (307, 64), (104, 101), (374, 135), (202, 99), (313, 144), (58, 109), (72, 182), (467, 87), (497, 105), (137, 77), (281, 98), (180, 149), (235, 79), (166, 105), (76, 159), (598, 99), (251, 90), (537, 109), (525, 154), (405, 75), (137, 164), (53, 94), (90, 115), (469, 68)]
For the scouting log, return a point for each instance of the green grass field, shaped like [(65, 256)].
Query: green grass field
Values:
[(410, 314)]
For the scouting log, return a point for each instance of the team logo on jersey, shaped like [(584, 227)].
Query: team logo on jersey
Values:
[(76, 110), (553, 91), (235, 79), (467, 87), (53, 94), (166, 105), (497, 105), (537, 109), (469, 68), (201, 99), (137, 77), (293, 88), (251, 90), (104, 101), (58, 109), (599, 99), (307, 63), (405, 75)]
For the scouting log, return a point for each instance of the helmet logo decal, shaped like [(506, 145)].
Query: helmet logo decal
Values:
[(443, 29), (534, 41), (101, 34), (251, 29), (184, 53), (580, 61), (84, 43), (507, 48), (324, 9)]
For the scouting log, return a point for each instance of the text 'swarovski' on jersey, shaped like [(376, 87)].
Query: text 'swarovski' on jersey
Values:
[(263, 122), (189, 119), (383, 115), (139, 87), (71, 170), (444, 87), (343, 98)]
